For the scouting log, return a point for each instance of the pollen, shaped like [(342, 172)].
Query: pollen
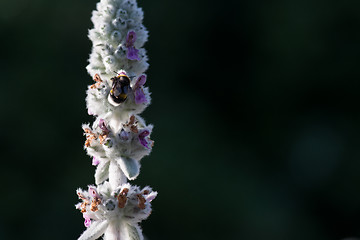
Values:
[(132, 124), (81, 196), (122, 198), (88, 131), (132, 119), (90, 136), (134, 129), (89, 140), (98, 81), (102, 138), (94, 204), (83, 206), (142, 201)]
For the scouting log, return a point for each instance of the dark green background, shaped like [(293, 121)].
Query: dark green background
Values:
[(255, 107)]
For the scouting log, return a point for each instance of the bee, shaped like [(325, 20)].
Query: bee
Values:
[(120, 89)]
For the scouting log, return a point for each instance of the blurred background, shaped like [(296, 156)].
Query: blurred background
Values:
[(255, 107)]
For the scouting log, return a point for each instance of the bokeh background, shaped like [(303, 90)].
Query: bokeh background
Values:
[(255, 107)]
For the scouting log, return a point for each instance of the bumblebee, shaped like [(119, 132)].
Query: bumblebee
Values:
[(119, 90)]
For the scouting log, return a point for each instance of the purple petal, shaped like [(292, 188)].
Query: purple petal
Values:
[(142, 139), (93, 192), (144, 133), (130, 38), (140, 96), (140, 81), (144, 142), (95, 161), (87, 222), (102, 125), (151, 196), (132, 53), (124, 135)]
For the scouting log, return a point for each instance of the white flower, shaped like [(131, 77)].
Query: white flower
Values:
[(119, 138), (114, 22), (118, 152), (132, 98), (114, 213)]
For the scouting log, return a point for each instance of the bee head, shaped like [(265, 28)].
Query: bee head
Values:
[(122, 78), (122, 73)]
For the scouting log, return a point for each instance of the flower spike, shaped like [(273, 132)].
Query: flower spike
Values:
[(119, 138), (128, 205)]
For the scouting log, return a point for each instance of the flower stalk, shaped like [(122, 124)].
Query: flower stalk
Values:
[(118, 138)]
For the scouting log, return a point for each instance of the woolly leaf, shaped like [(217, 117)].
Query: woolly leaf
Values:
[(134, 232), (116, 176), (102, 172), (129, 166), (95, 231), (114, 231)]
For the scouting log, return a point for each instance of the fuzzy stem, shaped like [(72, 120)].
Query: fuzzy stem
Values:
[(119, 138), (113, 232), (116, 176)]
